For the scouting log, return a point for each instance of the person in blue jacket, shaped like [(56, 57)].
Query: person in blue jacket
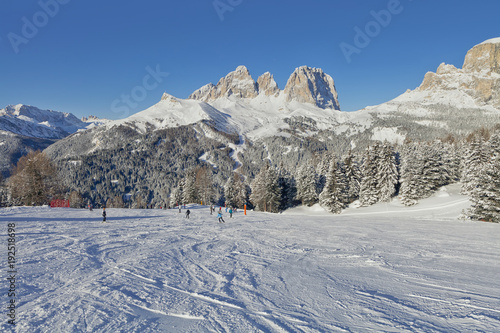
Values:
[(219, 216)]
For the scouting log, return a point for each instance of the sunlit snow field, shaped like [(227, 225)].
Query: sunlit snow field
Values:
[(385, 268)]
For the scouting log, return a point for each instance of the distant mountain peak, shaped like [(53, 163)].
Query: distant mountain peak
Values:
[(33, 122), (477, 82), (238, 83), (312, 85), (306, 85), (267, 85), (484, 57)]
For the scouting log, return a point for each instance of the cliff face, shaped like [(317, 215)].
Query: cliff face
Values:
[(312, 85), (479, 77), (484, 58)]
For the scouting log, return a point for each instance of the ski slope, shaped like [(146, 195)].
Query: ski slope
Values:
[(384, 268)]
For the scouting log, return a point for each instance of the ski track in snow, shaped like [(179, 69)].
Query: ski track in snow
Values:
[(155, 271)]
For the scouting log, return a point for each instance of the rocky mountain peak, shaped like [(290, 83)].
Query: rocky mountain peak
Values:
[(478, 78), (305, 85), (312, 85), (168, 97), (267, 85), (484, 57), (205, 93), (238, 83)]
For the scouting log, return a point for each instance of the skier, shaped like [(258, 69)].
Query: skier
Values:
[(90, 206), (103, 214), (179, 208), (187, 213), (230, 212), (211, 209), (219, 216)]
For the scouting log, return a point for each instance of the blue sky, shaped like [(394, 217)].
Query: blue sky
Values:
[(86, 57)]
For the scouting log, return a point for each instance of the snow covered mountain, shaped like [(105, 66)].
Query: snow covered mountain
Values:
[(239, 123), (24, 128), (305, 85), (31, 121), (450, 101), (238, 104), (308, 109), (474, 86), (309, 104)]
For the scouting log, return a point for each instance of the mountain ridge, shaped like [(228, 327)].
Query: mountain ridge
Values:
[(305, 84), (307, 110)]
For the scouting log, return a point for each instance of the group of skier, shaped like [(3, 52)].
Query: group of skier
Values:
[(220, 217), (219, 213), (188, 212)]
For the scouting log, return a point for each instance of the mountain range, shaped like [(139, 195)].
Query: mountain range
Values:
[(24, 128), (238, 122), (451, 100)]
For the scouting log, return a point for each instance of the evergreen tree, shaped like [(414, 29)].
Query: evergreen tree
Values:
[(204, 185), (332, 196), (352, 176), (230, 193), (387, 173), (322, 171), (189, 193), (258, 189), (476, 157), (273, 192), (177, 194), (436, 170), (265, 190), (485, 197), (494, 144), (411, 172), (369, 191), (306, 185), (287, 187), (240, 191), (452, 156)]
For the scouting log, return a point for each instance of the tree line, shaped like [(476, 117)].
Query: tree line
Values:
[(412, 171)]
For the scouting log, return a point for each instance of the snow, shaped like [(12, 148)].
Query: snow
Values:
[(491, 41), (206, 158), (385, 268), (389, 134), (262, 116), (175, 112), (48, 124)]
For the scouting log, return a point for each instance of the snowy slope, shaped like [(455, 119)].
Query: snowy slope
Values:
[(155, 271), (175, 112), (258, 117)]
